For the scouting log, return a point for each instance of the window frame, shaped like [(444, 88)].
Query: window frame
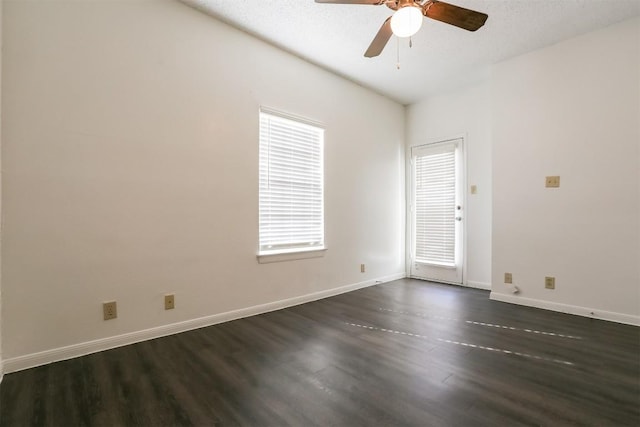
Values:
[(450, 229), (294, 252)]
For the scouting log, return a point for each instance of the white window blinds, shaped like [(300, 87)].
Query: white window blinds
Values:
[(291, 185), (435, 205)]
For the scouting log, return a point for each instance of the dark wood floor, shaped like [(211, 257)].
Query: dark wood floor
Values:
[(402, 353)]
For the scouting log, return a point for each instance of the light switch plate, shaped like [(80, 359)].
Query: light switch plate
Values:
[(552, 182)]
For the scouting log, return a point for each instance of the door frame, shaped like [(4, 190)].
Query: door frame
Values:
[(409, 200)]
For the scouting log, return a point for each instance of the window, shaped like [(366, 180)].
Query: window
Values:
[(291, 201), (435, 204)]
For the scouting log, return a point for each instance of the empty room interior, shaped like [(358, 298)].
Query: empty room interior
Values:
[(320, 213)]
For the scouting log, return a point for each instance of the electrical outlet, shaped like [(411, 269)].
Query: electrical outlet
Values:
[(552, 182), (169, 302), (474, 189), (550, 282), (361, 268), (508, 278), (109, 310)]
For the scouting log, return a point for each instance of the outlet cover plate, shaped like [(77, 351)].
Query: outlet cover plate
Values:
[(169, 302), (550, 282), (508, 278), (109, 310)]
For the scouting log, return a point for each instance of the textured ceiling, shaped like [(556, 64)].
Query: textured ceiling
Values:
[(335, 36)]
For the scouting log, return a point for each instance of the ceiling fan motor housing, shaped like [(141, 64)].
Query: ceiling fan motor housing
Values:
[(399, 4)]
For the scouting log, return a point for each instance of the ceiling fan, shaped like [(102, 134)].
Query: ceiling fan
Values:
[(407, 19)]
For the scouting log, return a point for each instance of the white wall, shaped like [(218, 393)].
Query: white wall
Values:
[(465, 111), (130, 159), (572, 110), (1, 358)]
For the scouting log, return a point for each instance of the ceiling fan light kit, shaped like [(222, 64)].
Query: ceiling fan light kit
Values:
[(407, 19)]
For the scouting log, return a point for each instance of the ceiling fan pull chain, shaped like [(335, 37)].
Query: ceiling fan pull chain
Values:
[(410, 42), (398, 53)]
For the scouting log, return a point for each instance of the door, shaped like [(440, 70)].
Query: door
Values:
[(437, 211)]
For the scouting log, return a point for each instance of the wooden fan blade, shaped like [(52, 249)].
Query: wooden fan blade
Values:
[(455, 15), (380, 40), (373, 2)]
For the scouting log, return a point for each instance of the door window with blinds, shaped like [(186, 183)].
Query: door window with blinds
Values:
[(291, 199), (436, 205)]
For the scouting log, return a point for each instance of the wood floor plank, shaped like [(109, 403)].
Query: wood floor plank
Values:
[(406, 352)]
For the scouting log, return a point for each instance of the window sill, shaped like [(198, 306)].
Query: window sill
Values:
[(435, 264), (290, 256)]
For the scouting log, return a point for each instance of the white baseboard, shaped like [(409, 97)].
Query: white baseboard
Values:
[(81, 349), (478, 285), (1, 370), (570, 309)]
